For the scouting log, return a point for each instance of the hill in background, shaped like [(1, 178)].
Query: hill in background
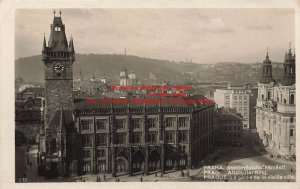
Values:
[(31, 69)]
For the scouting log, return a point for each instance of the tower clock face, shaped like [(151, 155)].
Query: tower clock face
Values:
[(58, 67)]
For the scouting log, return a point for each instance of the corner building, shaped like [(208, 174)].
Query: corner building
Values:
[(276, 108), (131, 138), (81, 137)]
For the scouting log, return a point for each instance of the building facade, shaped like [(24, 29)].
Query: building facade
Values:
[(276, 108), (237, 98), (133, 138), (230, 127)]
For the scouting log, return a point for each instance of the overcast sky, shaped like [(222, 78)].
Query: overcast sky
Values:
[(203, 35)]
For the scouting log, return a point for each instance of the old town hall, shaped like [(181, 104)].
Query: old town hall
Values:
[(80, 137)]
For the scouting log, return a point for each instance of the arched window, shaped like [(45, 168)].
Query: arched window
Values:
[(292, 99), (284, 101), (262, 97), (57, 28), (280, 98)]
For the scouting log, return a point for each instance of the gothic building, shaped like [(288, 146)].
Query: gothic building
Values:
[(276, 108), (56, 149), (81, 137)]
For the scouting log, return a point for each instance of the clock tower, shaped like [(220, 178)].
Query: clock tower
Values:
[(58, 57)]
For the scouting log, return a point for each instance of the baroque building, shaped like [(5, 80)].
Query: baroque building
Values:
[(107, 135), (276, 108)]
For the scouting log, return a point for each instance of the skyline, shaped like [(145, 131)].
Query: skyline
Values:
[(200, 35)]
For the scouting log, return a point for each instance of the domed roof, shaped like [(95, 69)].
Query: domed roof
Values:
[(267, 60)]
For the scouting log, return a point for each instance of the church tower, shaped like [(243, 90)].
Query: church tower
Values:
[(58, 58), (289, 68)]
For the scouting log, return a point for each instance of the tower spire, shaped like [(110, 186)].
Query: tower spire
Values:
[(59, 13), (54, 12), (71, 45), (44, 43)]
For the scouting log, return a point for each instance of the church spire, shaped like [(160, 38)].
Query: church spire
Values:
[(44, 43), (71, 45), (58, 40)]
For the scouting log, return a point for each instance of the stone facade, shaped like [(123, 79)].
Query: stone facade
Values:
[(131, 140), (276, 109)]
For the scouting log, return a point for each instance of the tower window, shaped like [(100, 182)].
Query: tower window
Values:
[(57, 28)]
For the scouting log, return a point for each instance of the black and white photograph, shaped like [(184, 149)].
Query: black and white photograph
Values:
[(154, 95)]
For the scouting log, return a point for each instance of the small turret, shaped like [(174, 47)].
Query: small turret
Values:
[(266, 76)]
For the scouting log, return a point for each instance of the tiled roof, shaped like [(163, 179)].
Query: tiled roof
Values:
[(148, 102)]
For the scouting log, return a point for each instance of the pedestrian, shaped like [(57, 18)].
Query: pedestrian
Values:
[(155, 174), (104, 177), (141, 179), (99, 179)]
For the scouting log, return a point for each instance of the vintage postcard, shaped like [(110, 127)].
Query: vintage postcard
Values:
[(197, 95)]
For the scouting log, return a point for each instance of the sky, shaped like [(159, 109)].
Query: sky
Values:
[(197, 35)]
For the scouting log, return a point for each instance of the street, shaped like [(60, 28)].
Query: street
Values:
[(248, 154)]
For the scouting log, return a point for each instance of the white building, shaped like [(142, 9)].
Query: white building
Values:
[(124, 77), (276, 108), (237, 98)]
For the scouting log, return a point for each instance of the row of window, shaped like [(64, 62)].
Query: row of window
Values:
[(240, 97), (101, 124), (292, 98), (232, 134), (120, 138), (240, 103), (230, 128)]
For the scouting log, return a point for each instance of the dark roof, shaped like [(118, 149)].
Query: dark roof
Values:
[(225, 114), (62, 119), (287, 80), (39, 90), (266, 79), (58, 40), (149, 102), (28, 115)]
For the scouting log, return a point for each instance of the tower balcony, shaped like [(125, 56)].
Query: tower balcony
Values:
[(58, 55), (286, 108)]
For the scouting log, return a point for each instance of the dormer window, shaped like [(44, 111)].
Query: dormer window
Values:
[(57, 28)]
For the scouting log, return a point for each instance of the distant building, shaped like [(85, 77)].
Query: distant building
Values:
[(124, 79), (276, 107), (230, 126), (31, 92), (29, 117), (237, 98), (103, 80), (132, 79)]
